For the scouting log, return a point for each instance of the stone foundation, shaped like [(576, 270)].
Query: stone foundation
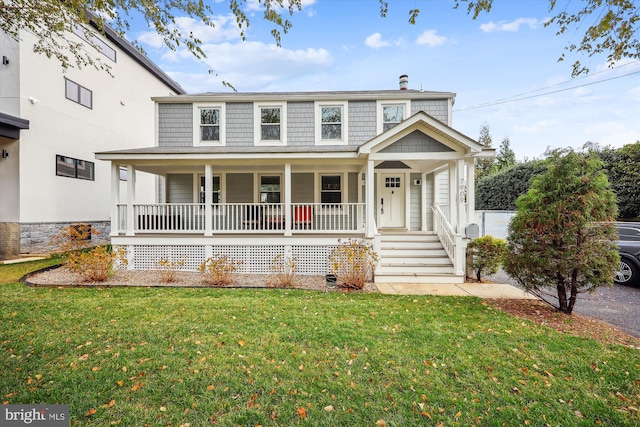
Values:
[(9, 240), (38, 238)]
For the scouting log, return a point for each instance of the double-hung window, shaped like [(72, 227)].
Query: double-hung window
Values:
[(332, 123), (270, 123), (331, 189), (270, 189), (215, 189), (391, 113), (209, 124), (78, 93)]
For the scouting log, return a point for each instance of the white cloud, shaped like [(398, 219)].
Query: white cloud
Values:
[(430, 38), (532, 23), (224, 29), (249, 65), (374, 41)]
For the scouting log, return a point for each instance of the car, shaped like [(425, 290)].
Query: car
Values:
[(628, 272)]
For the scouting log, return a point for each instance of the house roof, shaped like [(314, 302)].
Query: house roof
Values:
[(306, 96), (141, 59), (10, 126)]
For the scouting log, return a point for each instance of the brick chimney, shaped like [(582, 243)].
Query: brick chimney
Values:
[(404, 82)]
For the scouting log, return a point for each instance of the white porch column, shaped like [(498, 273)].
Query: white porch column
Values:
[(287, 199), (423, 204), (370, 200), (461, 199), (131, 198), (115, 198), (471, 192), (453, 196), (208, 200)]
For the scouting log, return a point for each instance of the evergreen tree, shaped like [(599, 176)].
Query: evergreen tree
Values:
[(485, 166), (506, 158)]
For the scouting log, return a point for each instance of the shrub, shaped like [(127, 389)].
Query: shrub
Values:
[(218, 270), (353, 263), (168, 269), (485, 255), (284, 272), (93, 265)]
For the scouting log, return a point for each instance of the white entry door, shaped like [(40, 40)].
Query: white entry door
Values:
[(391, 203)]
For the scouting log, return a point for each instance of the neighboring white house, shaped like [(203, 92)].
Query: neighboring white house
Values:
[(256, 175), (51, 125)]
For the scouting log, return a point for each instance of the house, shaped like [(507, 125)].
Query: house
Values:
[(255, 175), (52, 123)]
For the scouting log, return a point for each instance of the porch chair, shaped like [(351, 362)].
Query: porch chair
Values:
[(252, 218), (302, 216)]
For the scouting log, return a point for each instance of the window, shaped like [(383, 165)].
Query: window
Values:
[(215, 189), (331, 191), (208, 124), (391, 116), (392, 182), (74, 168), (269, 189), (391, 113), (95, 41), (270, 124), (79, 94), (331, 123)]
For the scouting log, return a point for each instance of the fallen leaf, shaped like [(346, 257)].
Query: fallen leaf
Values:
[(302, 412), (210, 387), (241, 343), (120, 383), (95, 368), (381, 423), (425, 414), (329, 408), (38, 376), (84, 357), (90, 412)]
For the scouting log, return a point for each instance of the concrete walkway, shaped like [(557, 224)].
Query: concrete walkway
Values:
[(481, 290)]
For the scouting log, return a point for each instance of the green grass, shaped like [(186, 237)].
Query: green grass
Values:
[(228, 357)]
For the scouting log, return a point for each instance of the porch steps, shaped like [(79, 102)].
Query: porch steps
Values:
[(414, 258)]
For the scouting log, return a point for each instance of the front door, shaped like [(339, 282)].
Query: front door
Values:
[(391, 204)]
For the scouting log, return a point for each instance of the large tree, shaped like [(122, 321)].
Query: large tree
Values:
[(563, 236), (50, 20), (484, 166), (609, 26)]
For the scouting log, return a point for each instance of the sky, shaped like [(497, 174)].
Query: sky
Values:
[(503, 66)]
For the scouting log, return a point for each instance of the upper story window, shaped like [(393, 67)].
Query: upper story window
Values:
[(78, 93), (391, 113), (332, 123), (74, 168), (95, 41), (209, 124), (270, 124)]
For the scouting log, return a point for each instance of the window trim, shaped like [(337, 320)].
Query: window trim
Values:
[(341, 191), (75, 168), (257, 123), (344, 105), (201, 178), (197, 106), (79, 88), (406, 103), (259, 192)]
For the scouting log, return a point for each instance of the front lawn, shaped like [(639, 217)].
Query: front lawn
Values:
[(228, 357)]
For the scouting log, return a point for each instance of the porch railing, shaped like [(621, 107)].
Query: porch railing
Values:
[(243, 218), (452, 242)]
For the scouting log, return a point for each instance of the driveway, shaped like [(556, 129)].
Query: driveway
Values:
[(617, 305)]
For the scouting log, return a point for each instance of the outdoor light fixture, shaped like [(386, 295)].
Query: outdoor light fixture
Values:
[(5, 60), (5, 153)]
